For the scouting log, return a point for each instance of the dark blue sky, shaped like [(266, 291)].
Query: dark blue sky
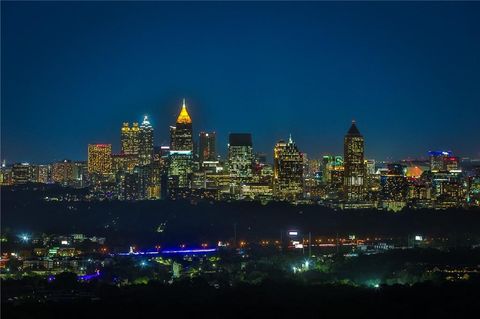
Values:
[(409, 73)]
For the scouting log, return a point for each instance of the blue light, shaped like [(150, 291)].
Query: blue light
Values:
[(182, 251), (82, 277), (186, 251), (89, 277), (440, 153), (24, 237)]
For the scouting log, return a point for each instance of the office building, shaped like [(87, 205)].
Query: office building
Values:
[(354, 165), (181, 135), (145, 149), (441, 161), (206, 147), (130, 138), (240, 160), (63, 172), (180, 165), (288, 168), (21, 173), (100, 159)]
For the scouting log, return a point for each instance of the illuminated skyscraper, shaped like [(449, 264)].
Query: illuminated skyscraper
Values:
[(206, 145), (145, 150), (63, 172), (354, 173), (100, 159), (130, 138), (441, 161), (394, 183), (21, 173), (181, 151), (288, 167), (181, 134), (451, 163), (240, 160)]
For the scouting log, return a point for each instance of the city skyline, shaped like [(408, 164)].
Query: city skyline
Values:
[(118, 144), (239, 159), (411, 88)]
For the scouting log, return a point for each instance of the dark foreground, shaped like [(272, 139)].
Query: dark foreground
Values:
[(338, 291), (281, 300), (195, 222)]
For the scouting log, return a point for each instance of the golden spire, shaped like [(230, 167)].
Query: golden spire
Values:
[(183, 117)]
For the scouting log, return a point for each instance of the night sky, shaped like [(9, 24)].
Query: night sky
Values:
[(408, 73)]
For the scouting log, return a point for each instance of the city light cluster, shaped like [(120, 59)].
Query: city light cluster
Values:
[(191, 169)]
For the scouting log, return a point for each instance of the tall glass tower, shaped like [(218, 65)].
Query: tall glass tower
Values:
[(287, 171), (145, 151), (181, 151), (354, 174)]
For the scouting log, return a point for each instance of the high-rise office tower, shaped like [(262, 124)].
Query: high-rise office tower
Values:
[(206, 145), (394, 185), (441, 161), (451, 163), (354, 165), (130, 138), (99, 159), (145, 150), (240, 159), (182, 133), (181, 151), (288, 167)]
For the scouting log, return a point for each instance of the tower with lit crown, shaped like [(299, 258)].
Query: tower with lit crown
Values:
[(354, 165), (145, 150), (182, 133), (181, 151)]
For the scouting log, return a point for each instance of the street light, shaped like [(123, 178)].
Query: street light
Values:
[(24, 237)]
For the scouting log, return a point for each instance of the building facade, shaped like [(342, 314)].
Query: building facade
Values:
[(21, 173), (99, 159), (288, 171), (63, 172), (182, 133), (207, 147), (354, 165), (130, 138), (145, 148), (240, 160), (180, 164)]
